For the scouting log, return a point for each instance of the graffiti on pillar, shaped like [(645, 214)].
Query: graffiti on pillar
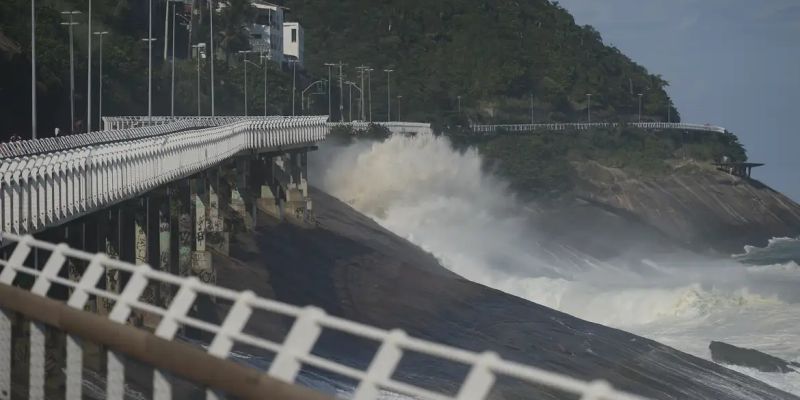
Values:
[(207, 276), (185, 230), (141, 245)]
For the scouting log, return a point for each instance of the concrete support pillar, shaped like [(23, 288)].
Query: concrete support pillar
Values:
[(144, 242), (201, 257), (180, 201), (242, 199), (218, 237), (108, 240), (290, 187), (164, 262)]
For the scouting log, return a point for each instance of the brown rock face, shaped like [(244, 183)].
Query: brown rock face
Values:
[(695, 205)]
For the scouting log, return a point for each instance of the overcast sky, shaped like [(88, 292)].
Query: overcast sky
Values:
[(734, 63)]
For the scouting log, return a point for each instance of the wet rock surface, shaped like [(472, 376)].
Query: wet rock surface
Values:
[(353, 268)]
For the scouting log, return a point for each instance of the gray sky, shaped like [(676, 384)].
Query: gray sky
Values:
[(734, 63)]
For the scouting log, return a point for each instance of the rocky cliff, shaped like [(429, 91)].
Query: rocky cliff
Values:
[(693, 204)]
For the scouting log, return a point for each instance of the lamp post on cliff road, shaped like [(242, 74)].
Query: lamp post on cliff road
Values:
[(100, 83), (589, 107), (71, 24), (388, 94), (398, 107), (640, 106), (330, 115)]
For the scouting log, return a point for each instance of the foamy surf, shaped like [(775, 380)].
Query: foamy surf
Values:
[(442, 200)]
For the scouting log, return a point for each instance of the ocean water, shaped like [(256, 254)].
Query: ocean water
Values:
[(444, 201)]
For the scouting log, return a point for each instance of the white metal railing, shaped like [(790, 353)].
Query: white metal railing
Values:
[(45, 188), (51, 144), (393, 126), (137, 121), (291, 354), (587, 126)]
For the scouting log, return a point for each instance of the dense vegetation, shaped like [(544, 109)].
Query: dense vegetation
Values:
[(125, 64), (494, 54)]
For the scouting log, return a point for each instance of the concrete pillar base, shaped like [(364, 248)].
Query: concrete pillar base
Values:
[(202, 267)]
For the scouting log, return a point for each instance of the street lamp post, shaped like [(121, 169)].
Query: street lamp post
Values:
[(531, 108), (589, 107), (362, 69), (149, 41), (245, 53), (100, 99), (640, 106), (369, 91), (71, 24), (265, 60), (669, 113), (294, 82), (459, 105), (33, 68), (303, 93), (329, 65), (388, 94), (211, 52), (89, 71), (398, 107), (172, 91), (350, 99), (341, 92), (197, 49)]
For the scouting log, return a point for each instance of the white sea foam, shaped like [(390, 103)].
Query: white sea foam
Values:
[(442, 200)]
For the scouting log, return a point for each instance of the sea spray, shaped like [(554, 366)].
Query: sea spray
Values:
[(443, 200)]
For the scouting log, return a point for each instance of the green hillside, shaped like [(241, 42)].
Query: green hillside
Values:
[(495, 54)]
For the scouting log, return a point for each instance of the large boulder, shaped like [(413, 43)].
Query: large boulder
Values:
[(724, 353)]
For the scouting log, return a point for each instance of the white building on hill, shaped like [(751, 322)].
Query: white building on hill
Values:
[(293, 41)]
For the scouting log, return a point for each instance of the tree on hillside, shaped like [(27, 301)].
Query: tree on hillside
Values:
[(234, 20)]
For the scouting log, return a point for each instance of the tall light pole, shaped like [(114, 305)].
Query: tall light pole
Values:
[(329, 65), (362, 69), (166, 27), (245, 53), (589, 107), (640, 106), (398, 106), (33, 68), (341, 92), (350, 99), (303, 93), (531, 108), (211, 53), (369, 90), (100, 105), (294, 82), (89, 71), (149, 41), (459, 105), (265, 60), (197, 49), (71, 24), (669, 113), (172, 90), (388, 94)]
